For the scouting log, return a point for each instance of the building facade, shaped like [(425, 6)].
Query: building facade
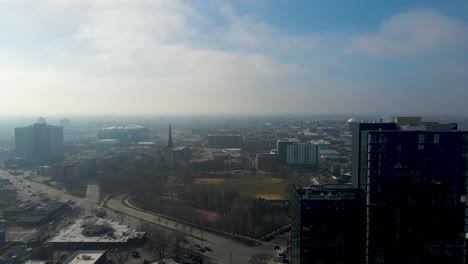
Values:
[(412, 177), (40, 142), (282, 150), (326, 226), (416, 196), (302, 154)]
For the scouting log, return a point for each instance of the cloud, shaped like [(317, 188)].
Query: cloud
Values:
[(412, 34), (177, 56)]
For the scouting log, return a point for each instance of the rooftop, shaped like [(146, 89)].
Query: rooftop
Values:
[(73, 233), (84, 257), (327, 192), (123, 127)]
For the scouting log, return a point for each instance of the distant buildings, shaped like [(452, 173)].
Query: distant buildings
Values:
[(225, 141), (65, 122), (40, 142), (282, 150), (302, 154), (125, 133), (266, 162), (298, 154), (35, 214)]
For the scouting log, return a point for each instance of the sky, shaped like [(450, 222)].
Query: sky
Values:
[(221, 56)]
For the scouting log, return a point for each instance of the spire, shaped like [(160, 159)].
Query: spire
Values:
[(169, 143)]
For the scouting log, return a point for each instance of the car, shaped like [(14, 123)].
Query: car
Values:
[(277, 247), (197, 245), (208, 248), (136, 254), (258, 243)]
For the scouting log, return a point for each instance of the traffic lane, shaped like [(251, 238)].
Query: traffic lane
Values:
[(219, 244), (240, 252)]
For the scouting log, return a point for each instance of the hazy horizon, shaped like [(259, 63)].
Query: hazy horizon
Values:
[(235, 57)]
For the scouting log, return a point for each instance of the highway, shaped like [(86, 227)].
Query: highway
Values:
[(224, 250)]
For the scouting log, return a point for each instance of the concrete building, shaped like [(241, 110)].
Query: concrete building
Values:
[(96, 233), (125, 133), (282, 149), (302, 154), (87, 257), (40, 142)]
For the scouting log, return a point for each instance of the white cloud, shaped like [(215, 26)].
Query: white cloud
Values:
[(169, 56), (411, 34)]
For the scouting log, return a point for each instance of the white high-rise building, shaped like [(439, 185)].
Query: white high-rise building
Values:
[(302, 154)]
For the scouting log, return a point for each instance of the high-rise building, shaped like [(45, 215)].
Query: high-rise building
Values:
[(282, 150), (40, 142), (359, 149), (169, 141), (326, 227), (413, 178), (302, 154)]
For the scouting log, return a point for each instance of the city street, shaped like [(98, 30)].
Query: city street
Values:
[(224, 250)]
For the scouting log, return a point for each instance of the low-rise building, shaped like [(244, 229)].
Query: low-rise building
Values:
[(96, 233)]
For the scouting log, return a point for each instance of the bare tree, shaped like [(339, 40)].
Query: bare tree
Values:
[(159, 241), (262, 258), (177, 239)]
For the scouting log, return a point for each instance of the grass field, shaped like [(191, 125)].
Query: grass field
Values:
[(251, 185)]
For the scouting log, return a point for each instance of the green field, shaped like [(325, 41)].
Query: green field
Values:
[(251, 185)]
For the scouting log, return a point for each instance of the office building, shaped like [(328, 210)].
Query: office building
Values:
[(359, 149), (326, 227), (125, 133), (39, 142), (302, 154), (413, 176), (282, 149)]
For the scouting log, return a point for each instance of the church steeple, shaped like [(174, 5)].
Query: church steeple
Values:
[(169, 143)]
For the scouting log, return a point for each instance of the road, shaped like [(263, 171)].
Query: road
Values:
[(224, 250), (93, 192)]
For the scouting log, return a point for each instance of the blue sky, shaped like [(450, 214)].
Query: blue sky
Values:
[(263, 56)]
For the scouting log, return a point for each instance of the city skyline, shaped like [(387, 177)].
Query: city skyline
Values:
[(233, 57)]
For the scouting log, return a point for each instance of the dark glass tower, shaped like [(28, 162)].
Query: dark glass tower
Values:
[(328, 225), (416, 196)]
